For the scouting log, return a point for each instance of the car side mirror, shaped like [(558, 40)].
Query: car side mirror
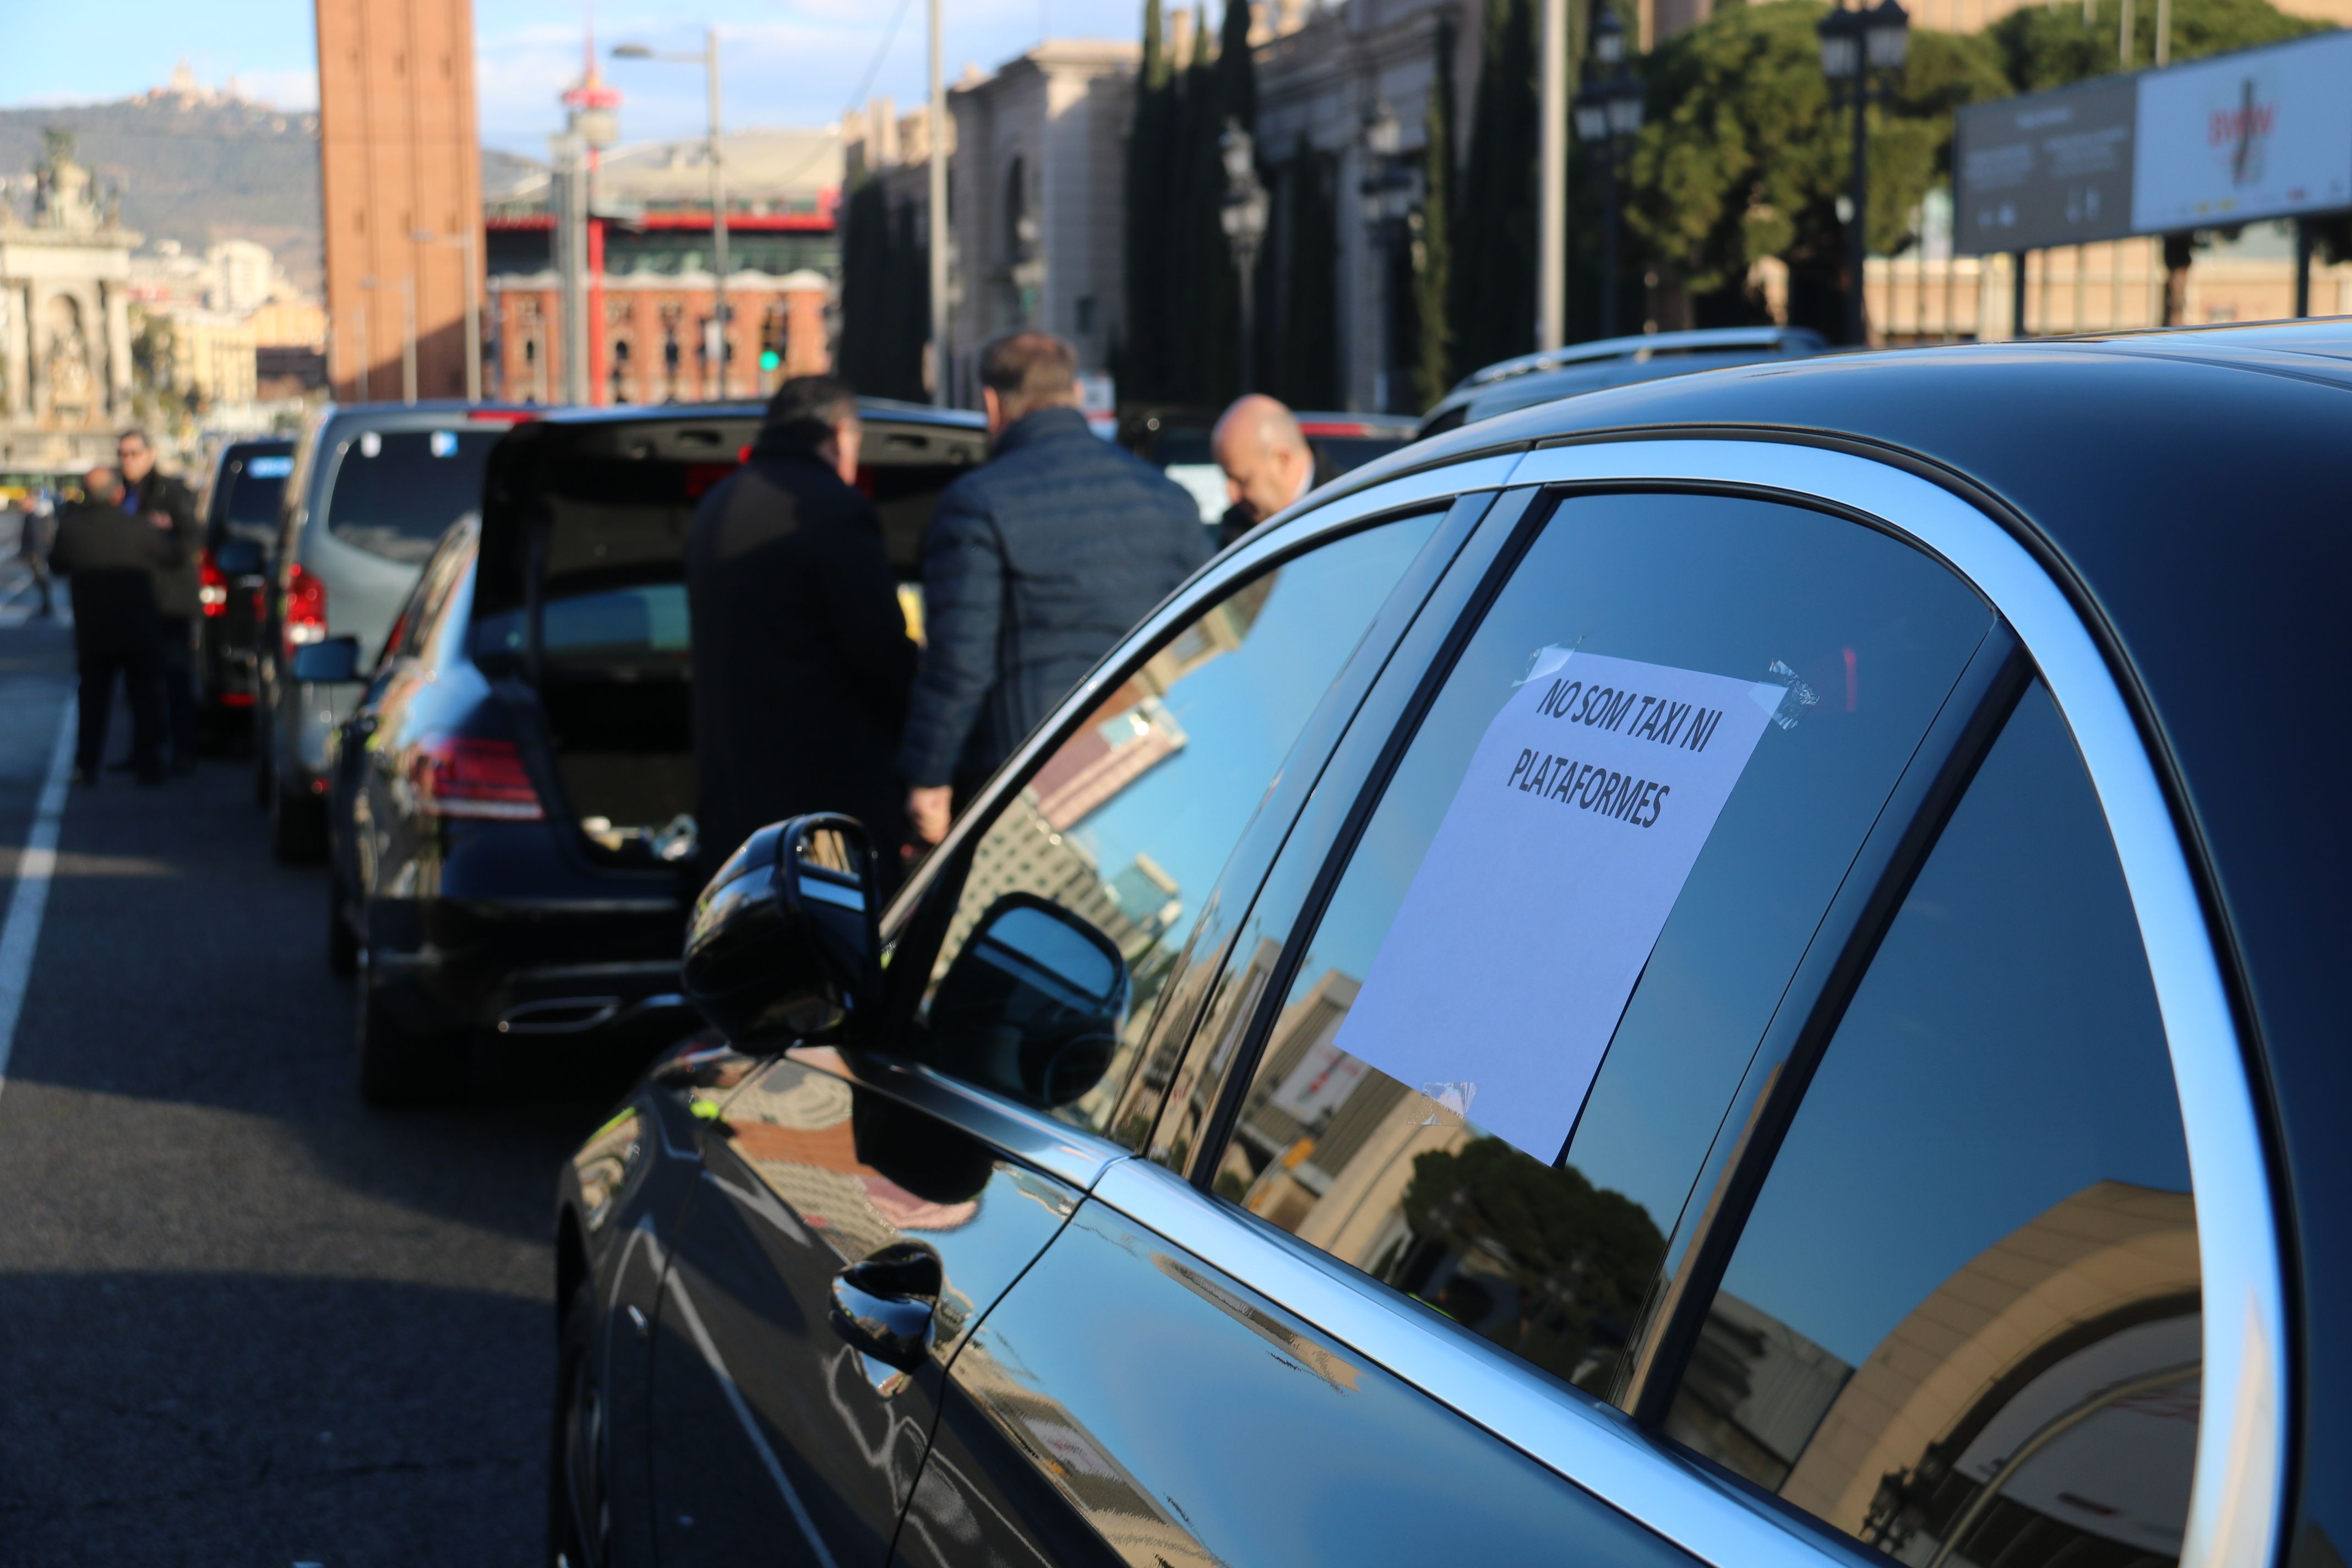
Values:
[(1033, 1004), (239, 558), (784, 941), (334, 662)]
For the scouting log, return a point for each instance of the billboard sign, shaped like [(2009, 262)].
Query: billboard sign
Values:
[(2055, 168), (2261, 133)]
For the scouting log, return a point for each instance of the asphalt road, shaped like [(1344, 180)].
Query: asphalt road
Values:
[(243, 1317)]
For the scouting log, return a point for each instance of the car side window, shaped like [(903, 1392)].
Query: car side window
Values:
[(1496, 1070), (1076, 903), (1962, 1320), (419, 614)]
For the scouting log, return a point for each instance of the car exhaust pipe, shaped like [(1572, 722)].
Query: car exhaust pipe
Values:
[(559, 1016)]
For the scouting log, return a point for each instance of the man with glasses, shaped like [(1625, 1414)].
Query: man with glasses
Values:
[(168, 503)]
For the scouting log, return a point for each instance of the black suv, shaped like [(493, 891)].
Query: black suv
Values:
[(239, 509), (510, 802)]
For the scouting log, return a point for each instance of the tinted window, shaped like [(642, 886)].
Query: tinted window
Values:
[(1544, 1235), (1962, 1320), (254, 484), (1125, 827), (646, 622), (396, 492)]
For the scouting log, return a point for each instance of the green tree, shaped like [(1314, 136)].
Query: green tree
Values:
[(1143, 360), (1433, 369), (2045, 47), (1493, 309), (1305, 369), (1743, 156), (885, 296)]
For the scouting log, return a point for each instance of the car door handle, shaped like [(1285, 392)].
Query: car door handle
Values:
[(884, 1305)]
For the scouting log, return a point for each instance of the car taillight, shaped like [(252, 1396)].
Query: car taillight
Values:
[(212, 588), (450, 776), (306, 609)]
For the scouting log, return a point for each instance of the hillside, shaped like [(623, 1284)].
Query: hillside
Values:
[(192, 168)]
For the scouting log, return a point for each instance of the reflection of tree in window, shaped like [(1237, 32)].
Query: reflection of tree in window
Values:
[(1345, 1157)]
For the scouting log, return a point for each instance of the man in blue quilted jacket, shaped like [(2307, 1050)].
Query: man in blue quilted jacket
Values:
[(1036, 565)]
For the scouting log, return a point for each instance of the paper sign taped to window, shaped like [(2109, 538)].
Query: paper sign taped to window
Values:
[(1519, 942)]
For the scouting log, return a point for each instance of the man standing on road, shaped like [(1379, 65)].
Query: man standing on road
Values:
[(1036, 565), (113, 558), (168, 503), (801, 654), (1269, 464)]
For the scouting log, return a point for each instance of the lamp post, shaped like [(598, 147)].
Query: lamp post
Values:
[(1861, 52), (708, 58), (1389, 191), (468, 240), (1609, 110), (1243, 217), (407, 286)]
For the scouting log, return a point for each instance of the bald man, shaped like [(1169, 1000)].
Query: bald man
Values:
[(1267, 462)]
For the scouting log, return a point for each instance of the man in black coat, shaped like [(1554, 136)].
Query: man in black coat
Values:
[(1036, 565), (167, 502), (112, 558), (801, 654)]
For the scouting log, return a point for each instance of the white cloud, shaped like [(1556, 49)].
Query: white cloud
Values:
[(289, 90)]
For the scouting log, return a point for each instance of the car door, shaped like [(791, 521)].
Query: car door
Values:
[(1866, 1228), (383, 838), (923, 1172)]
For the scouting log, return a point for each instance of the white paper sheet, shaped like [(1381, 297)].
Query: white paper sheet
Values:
[(1517, 947)]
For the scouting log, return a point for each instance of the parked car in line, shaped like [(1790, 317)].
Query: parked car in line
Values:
[(1740, 971), (511, 797), (374, 488), (1535, 378), (1176, 440), (239, 508)]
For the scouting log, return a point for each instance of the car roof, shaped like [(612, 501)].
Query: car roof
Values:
[(2187, 489), (1648, 345), (867, 408)]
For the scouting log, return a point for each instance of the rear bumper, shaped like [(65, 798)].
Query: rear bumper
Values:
[(541, 969)]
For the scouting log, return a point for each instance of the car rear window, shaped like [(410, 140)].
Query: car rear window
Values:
[(396, 492), (255, 482)]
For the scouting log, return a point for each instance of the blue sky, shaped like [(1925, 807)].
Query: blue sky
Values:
[(788, 62)]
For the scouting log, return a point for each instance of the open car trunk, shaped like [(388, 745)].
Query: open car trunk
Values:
[(579, 603)]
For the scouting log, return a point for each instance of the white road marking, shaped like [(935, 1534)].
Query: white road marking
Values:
[(30, 900)]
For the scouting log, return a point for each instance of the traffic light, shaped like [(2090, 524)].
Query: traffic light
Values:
[(772, 342)]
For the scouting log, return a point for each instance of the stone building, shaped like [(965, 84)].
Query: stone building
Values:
[(1036, 201), (65, 328), (652, 291)]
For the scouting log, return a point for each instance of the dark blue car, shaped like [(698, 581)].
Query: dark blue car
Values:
[(1740, 971)]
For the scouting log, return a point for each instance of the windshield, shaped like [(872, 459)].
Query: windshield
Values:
[(398, 491), (254, 481)]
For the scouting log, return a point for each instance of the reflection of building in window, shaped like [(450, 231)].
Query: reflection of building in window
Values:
[(1130, 735), (1024, 853), (2042, 1403), (1133, 731)]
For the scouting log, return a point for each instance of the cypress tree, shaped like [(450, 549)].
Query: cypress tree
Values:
[(1494, 314), (1434, 371), (1307, 368), (1143, 368)]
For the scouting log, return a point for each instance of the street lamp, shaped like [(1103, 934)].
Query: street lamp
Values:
[(708, 58), (1609, 112), (468, 241), (407, 286), (1243, 217), (1861, 52)]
